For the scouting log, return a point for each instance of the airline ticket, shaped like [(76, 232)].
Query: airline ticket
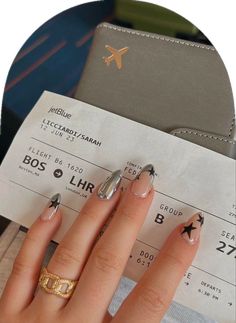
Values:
[(68, 146)]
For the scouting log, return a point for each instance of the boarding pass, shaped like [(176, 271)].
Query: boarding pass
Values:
[(68, 146)]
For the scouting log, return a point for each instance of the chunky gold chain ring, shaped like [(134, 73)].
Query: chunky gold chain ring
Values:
[(54, 284)]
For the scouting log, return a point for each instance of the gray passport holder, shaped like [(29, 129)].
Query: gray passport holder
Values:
[(173, 85)]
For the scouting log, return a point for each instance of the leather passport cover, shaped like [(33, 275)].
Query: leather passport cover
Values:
[(176, 86)]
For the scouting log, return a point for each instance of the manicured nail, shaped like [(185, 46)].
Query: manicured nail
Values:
[(192, 228), (142, 183), (51, 208), (110, 186)]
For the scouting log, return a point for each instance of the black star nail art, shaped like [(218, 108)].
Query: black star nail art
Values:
[(151, 172), (200, 219), (187, 229), (55, 201)]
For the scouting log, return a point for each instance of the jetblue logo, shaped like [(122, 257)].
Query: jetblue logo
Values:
[(60, 112)]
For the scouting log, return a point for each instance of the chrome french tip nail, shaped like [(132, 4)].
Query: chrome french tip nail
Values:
[(110, 186), (143, 182), (192, 228), (51, 207)]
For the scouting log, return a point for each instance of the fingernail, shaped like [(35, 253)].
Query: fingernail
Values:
[(109, 187), (192, 228), (51, 208), (142, 183)]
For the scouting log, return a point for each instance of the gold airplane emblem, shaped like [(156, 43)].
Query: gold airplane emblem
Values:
[(116, 55)]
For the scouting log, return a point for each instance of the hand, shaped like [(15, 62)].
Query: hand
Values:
[(97, 264)]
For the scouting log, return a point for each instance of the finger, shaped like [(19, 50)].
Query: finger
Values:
[(23, 279), (72, 252), (107, 261), (107, 318), (151, 297)]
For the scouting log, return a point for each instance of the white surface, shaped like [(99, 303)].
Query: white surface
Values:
[(190, 178)]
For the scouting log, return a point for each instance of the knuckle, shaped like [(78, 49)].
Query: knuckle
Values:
[(128, 215), (31, 238), (21, 268), (107, 261), (65, 257), (176, 263), (152, 301), (89, 214)]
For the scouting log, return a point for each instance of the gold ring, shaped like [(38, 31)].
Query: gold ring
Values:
[(54, 284)]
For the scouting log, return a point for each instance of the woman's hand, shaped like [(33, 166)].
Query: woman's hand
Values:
[(97, 265)]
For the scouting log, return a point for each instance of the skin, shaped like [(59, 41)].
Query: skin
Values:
[(97, 264)]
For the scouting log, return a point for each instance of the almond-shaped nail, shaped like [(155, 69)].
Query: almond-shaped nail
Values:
[(110, 186), (142, 183), (192, 228), (51, 208)]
